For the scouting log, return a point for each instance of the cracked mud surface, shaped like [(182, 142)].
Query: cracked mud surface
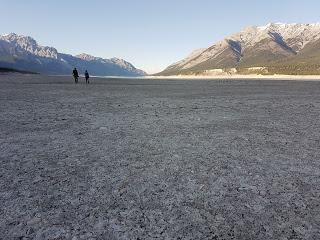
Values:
[(159, 159)]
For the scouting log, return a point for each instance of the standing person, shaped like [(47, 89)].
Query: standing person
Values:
[(86, 74), (75, 75)]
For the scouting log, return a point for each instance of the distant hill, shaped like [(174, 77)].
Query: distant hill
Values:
[(24, 53), (11, 70), (276, 48)]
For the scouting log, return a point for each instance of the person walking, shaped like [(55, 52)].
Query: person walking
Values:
[(75, 75), (86, 74)]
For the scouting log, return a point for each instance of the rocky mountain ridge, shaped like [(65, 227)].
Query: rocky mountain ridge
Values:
[(24, 53), (275, 44)]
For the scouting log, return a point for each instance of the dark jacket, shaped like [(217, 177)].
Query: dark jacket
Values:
[(75, 73), (86, 74)]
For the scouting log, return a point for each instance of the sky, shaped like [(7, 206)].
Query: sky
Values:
[(151, 34)]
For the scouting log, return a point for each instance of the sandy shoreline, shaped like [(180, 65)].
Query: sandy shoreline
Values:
[(237, 77), (188, 77)]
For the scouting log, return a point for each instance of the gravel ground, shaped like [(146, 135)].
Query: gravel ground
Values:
[(159, 159)]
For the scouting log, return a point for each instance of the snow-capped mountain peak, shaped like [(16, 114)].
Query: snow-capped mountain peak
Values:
[(265, 43), (30, 45), (117, 61), (23, 52), (87, 57), (121, 62)]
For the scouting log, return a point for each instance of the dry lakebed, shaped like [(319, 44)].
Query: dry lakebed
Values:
[(159, 159)]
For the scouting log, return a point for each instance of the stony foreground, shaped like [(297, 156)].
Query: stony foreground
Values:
[(159, 159)]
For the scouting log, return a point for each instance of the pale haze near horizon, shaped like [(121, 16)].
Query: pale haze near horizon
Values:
[(149, 34)]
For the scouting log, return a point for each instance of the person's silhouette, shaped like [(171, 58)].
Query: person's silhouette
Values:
[(75, 75), (86, 74)]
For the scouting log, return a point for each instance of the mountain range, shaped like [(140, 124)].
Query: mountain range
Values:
[(24, 53), (276, 48)]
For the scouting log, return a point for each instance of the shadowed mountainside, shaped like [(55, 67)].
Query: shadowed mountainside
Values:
[(276, 48), (24, 53)]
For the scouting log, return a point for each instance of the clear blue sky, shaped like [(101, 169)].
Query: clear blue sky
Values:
[(151, 34)]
